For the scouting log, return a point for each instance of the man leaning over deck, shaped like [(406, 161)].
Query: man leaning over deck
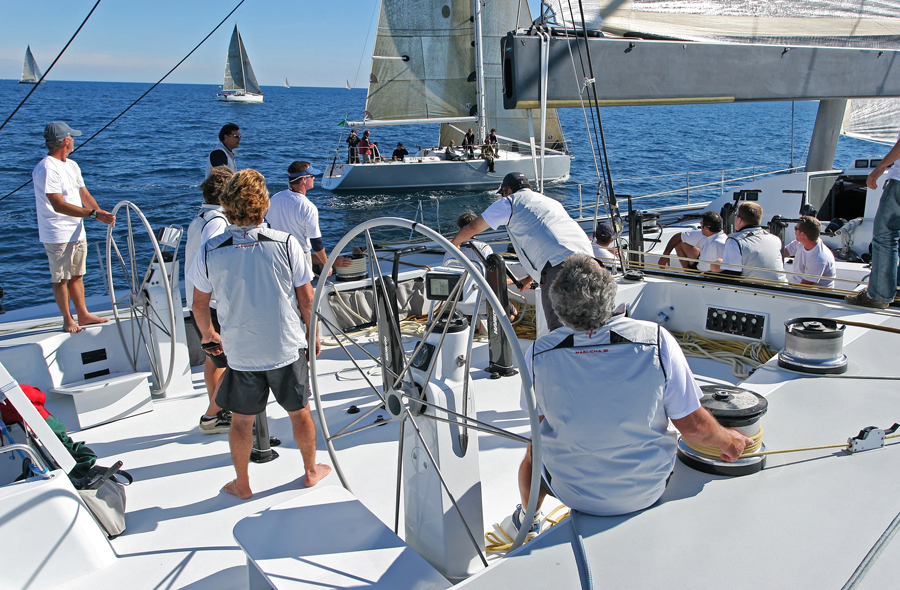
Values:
[(751, 245), (540, 229), (260, 278), (626, 378), (62, 202)]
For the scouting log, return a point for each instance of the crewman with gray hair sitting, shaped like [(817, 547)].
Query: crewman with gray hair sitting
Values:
[(751, 246), (606, 387)]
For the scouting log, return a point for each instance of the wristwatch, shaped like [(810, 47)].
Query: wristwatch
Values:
[(93, 214)]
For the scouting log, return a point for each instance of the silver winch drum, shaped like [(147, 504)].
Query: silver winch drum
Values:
[(735, 408), (813, 345), (357, 271)]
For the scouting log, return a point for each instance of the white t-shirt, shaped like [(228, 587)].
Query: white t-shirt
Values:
[(55, 176), (602, 254), (205, 225), (682, 394), (711, 247), (818, 261), (893, 173), (483, 248), (294, 213), (498, 213)]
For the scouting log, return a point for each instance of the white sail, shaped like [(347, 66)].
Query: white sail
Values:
[(423, 65), (286, 83), (875, 120), (238, 71), (30, 71)]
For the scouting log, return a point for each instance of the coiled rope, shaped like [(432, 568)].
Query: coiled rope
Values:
[(743, 357), (715, 453)]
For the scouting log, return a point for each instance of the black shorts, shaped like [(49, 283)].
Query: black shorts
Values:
[(219, 360), (246, 392), (693, 265)]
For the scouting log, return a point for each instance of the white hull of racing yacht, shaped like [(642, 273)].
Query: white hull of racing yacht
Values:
[(240, 97), (433, 172)]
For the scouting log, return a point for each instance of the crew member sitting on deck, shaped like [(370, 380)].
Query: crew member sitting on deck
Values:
[(450, 153), (751, 245), (468, 143), (706, 244), (260, 278), (603, 237), (487, 154), (811, 255), (613, 454)]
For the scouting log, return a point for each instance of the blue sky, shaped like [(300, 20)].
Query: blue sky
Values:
[(312, 43)]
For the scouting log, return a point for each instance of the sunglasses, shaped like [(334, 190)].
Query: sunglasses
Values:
[(237, 136)]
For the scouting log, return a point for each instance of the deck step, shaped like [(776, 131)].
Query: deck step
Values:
[(108, 398)]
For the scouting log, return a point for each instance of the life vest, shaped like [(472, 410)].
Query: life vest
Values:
[(605, 437), (229, 155), (542, 232), (761, 249), (195, 230)]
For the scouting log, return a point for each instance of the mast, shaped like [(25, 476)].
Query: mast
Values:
[(479, 72), (241, 56)]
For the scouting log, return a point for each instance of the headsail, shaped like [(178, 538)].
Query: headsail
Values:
[(238, 71), (30, 71), (423, 65)]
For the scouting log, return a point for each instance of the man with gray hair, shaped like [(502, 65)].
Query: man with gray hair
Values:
[(62, 202), (606, 387)]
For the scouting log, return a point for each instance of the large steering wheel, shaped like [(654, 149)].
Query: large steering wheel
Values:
[(397, 395)]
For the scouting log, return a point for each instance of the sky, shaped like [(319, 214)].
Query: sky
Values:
[(310, 42)]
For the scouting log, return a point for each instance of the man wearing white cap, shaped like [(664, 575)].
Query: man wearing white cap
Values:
[(62, 201), (291, 211)]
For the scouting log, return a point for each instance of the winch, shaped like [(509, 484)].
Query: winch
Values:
[(356, 271), (813, 345), (735, 408)]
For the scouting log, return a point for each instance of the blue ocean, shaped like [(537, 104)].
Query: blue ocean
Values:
[(154, 156)]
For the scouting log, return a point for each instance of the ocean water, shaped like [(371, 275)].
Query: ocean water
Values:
[(154, 156)]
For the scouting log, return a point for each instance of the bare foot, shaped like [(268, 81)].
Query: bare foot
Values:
[(317, 474), (88, 319), (71, 326), (242, 492)]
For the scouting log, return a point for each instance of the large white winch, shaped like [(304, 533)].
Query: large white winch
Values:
[(735, 408), (813, 345)]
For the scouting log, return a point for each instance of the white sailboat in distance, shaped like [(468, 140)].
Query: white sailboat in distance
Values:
[(31, 73), (240, 82), (286, 83)]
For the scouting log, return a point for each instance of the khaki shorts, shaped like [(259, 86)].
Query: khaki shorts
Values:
[(66, 260)]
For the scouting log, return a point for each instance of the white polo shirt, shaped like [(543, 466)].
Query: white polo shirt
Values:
[(819, 261), (294, 213), (55, 176), (711, 247), (209, 222)]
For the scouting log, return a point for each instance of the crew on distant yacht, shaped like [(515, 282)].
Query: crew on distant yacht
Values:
[(226, 151), (468, 143), (62, 201), (704, 245), (450, 153), (209, 223), (364, 147), (291, 211), (540, 229), (606, 445), (751, 245), (399, 153), (603, 237), (260, 278), (352, 149), (811, 256)]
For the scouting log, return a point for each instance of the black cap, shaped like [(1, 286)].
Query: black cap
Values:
[(604, 231), (513, 181)]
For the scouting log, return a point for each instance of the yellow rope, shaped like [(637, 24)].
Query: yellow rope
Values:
[(495, 543), (716, 453), (739, 354)]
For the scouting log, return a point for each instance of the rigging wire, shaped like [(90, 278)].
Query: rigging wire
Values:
[(117, 117), (38, 83), (366, 44)]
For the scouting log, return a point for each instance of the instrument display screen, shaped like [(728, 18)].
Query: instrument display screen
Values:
[(438, 286)]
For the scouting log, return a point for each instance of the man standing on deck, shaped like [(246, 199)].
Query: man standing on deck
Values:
[(540, 229), (291, 211), (62, 201), (614, 454), (209, 223), (751, 246), (885, 236), (706, 244), (260, 279), (226, 152)]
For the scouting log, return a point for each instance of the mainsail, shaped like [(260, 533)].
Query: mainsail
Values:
[(30, 71), (423, 66), (833, 23), (238, 71)]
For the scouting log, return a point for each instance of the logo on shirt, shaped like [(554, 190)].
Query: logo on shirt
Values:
[(589, 351)]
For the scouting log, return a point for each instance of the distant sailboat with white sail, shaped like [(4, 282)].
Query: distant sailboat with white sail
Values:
[(240, 82), (31, 73), (286, 83)]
